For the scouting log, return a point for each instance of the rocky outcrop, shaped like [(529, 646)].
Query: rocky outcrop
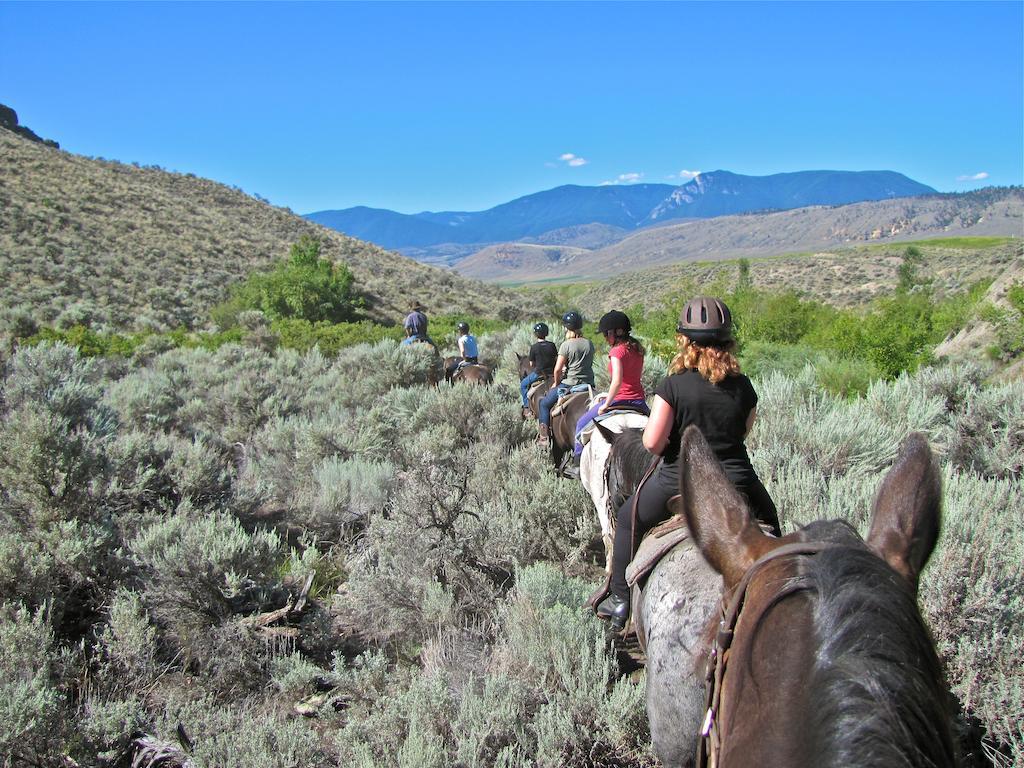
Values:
[(9, 120)]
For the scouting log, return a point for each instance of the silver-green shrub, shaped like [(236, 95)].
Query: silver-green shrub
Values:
[(31, 696)]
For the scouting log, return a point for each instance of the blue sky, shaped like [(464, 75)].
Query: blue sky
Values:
[(461, 106)]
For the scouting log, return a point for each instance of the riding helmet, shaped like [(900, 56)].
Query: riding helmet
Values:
[(540, 330), (572, 320), (614, 321), (706, 320), (462, 327)]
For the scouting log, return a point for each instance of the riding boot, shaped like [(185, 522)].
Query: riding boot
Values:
[(615, 609), (543, 438)]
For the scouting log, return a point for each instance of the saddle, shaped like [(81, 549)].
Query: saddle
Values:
[(566, 400), (628, 415), (534, 387)]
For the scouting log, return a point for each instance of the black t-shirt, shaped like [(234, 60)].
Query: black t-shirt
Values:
[(720, 411), (543, 355)]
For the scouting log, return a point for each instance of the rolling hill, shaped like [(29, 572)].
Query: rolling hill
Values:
[(135, 247)]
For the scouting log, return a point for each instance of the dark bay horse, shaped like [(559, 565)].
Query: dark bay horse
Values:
[(563, 425), (472, 374), (829, 662), (475, 373)]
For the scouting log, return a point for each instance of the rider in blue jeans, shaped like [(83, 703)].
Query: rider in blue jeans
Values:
[(542, 361), (574, 367)]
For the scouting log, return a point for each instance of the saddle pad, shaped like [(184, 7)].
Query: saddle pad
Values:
[(655, 546), (564, 402), (615, 420), (534, 387)]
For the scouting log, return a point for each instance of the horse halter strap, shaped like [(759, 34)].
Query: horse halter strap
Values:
[(711, 733)]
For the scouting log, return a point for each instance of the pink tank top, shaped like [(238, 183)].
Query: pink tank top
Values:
[(632, 367)]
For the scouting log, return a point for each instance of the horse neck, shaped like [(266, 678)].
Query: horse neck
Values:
[(839, 671), (765, 708)]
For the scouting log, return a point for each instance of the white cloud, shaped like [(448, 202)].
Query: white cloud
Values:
[(684, 175), (976, 177), (572, 160), (623, 178)]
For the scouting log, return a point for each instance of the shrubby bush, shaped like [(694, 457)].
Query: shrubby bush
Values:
[(972, 593), (305, 287), (56, 530), (32, 702), (195, 489), (584, 716)]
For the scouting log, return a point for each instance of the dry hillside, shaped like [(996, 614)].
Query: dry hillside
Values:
[(134, 246), (843, 277), (988, 212)]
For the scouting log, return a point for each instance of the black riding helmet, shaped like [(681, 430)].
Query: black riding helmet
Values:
[(614, 321), (706, 320), (462, 327), (572, 320), (540, 330)]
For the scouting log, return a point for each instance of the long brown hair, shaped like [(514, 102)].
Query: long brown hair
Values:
[(713, 363)]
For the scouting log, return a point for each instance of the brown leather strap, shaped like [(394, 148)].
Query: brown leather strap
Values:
[(710, 743), (636, 504)]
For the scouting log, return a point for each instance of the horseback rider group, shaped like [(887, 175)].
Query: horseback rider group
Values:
[(704, 387)]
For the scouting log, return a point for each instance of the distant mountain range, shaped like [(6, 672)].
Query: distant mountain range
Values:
[(993, 211), (551, 217)]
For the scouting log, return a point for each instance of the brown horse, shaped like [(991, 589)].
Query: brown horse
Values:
[(822, 657), (563, 425), (472, 374), (537, 391)]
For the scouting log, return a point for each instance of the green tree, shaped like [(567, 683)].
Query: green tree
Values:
[(304, 287), (907, 273)]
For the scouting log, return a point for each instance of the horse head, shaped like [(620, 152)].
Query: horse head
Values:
[(830, 661), (524, 365)]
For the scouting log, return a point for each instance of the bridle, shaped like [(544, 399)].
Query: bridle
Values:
[(710, 744)]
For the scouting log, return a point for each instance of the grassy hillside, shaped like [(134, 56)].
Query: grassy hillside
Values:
[(132, 247)]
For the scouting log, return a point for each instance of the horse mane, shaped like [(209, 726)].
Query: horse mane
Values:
[(877, 686), (628, 460)]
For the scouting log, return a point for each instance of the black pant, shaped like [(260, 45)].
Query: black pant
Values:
[(651, 510)]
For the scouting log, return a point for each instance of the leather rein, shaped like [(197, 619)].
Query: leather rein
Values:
[(710, 743)]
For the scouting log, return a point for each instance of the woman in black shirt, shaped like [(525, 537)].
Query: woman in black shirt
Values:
[(704, 387)]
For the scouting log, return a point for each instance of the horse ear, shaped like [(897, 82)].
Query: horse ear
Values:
[(716, 513), (606, 433), (906, 520), (519, 357)]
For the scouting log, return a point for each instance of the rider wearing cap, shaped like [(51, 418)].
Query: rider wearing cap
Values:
[(704, 387), (574, 367), (625, 366), (542, 357), (415, 325)]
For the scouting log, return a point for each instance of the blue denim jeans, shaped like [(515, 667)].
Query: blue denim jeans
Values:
[(524, 386), (548, 402)]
